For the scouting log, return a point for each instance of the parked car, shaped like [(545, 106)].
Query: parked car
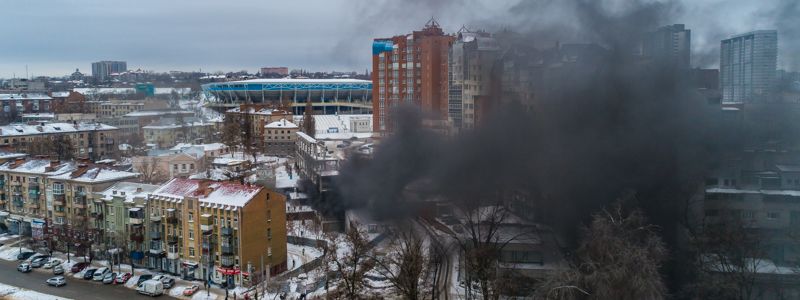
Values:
[(25, 255), (100, 274), (143, 278), (190, 290), (36, 256), (109, 278), (58, 270), (89, 273), (24, 267), (123, 278), (79, 267), (57, 281), (39, 262), (168, 282), (151, 288), (52, 263)]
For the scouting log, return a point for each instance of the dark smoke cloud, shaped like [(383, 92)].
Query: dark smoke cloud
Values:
[(606, 127)]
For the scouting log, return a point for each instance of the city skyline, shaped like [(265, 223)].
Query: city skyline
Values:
[(210, 36)]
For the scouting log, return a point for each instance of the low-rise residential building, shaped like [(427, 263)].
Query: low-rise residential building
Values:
[(258, 116), (201, 150), (167, 132), (195, 224), (280, 137), (118, 199), (93, 140), (160, 168), (77, 205), (22, 198), (24, 103), (319, 160)]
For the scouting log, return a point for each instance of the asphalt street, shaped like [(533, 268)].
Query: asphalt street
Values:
[(75, 288)]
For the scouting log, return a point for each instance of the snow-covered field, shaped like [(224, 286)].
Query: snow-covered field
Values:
[(15, 293)]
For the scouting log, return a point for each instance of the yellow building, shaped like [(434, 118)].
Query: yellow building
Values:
[(194, 224), (22, 197)]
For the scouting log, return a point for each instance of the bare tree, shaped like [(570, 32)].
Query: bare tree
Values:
[(150, 170), (728, 256), (405, 263), (618, 258), (231, 131), (308, 126), (348, 259)]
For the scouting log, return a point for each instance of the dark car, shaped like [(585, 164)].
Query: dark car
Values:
[(143, 278), (88, 274), (25, 255), (79, 267)]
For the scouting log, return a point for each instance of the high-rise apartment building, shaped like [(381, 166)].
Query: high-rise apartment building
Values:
[(410, 68), (748, 64), (102, 70), (670, 45), (471, 58)]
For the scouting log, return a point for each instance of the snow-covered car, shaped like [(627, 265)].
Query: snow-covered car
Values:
[(52, 263), (190, 290)]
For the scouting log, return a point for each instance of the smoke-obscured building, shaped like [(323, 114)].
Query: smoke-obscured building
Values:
[(670, 45), (471, 59), (748, 64), (102, 70), (410, 68)]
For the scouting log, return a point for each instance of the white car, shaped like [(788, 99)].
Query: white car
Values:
[(100, 274), (52, 263), (57, 281)]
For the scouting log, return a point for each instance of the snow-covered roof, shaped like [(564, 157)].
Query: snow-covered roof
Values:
[(229, 161), (96, 175), (24, 129), (206, 147), (262, 111), (150, 113), (301, 80), (157, 91), (60, 94), (339, 127), (219, 193), (39, 115), (282, 124), (10, 155), (177, 125), (37, 166), (32, 96), (128, 190), (743, 191)]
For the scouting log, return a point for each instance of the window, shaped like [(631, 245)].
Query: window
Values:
[(773, 215), (175, 166), (191, 251), (191, 234), (748, 214), (191, 217)]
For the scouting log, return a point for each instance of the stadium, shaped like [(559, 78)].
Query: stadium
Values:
[(328, 96)]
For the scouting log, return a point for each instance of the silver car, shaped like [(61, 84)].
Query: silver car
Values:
[(57, 281)]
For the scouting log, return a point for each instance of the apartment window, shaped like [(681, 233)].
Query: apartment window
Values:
[(748, 214), (191, 234), (191, 166), (175, 166), (191, 217), (269, 233), (773, 215), (191, 251)]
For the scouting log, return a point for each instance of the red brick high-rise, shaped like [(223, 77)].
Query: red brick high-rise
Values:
[(410, 68)]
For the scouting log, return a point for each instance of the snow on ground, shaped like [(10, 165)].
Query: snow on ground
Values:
[(10, 251), (201, 295), (304, 229), (15, 293)]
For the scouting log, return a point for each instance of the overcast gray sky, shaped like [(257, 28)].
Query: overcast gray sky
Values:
[(54, 37)]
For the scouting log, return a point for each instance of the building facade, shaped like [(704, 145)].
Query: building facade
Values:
[(102, 70), (222, 230), (93, 140), (748, 66), (471, 59), (168, 132), (669, 45), (279, 138), (410, 69)]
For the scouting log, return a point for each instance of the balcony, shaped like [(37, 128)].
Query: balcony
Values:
[(97, 215), (79, 203), (58, 200), (18, 202), (226, 231), (155, 219), (155, 235), (136, 216), (206, 223), (58, 192), (172, 239), (227, 261), (2, 183), (137, 237), (173, 255), (33, 194), (32, 204), (226, 249), (59, 213), (172, 219)]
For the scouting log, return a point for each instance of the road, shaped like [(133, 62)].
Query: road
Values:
[(75, 288)]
